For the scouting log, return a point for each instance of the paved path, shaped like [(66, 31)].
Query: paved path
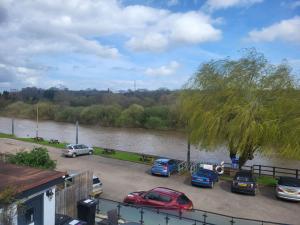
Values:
[(121, 177)]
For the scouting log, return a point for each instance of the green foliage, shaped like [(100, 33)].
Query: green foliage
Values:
[(132, 117), (37, 157), (247, 105), (7, 213), (20, 109), (7, 196), (154, 122)]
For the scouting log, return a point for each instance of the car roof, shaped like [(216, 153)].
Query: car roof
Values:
[(162, 160), (167, 191), (205, 170)]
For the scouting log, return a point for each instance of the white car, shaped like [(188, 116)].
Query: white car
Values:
[(77, 149), (97, 184), (97, 187)]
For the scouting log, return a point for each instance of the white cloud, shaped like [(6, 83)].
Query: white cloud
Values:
[(163, 70), (287, 30), (150, 42), (212, 5), (176, 28)]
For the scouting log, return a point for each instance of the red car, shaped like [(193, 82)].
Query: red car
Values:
[(160, 197)]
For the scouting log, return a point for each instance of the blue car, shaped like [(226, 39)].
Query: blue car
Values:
[(164, 167), (205, 178)]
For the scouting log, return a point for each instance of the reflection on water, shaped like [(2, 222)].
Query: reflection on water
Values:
[(164, 143)]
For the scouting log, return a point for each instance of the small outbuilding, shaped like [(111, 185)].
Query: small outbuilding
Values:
[(34, 200)]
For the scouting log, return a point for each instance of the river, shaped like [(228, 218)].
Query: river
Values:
[(164, 143)]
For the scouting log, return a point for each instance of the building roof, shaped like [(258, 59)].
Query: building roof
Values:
[(26, 178)]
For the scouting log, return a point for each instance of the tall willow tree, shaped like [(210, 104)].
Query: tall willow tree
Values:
[(247, 105)]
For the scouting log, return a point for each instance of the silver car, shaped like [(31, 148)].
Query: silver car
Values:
[(77, 149), (288, 188)]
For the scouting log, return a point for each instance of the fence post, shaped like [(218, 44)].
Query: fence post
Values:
[(204, 218), (142, 217), (297, 173), (259, 170), (232, 221), (119, 211), (274, 171), (167, 220), (13, 127)]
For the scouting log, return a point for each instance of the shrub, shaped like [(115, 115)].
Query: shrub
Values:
[(37, 157)]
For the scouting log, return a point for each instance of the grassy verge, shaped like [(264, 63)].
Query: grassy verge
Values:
[(266, 181), (31, 140), (121, 155)]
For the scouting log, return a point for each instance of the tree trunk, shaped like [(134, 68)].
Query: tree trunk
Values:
[(188, 157)]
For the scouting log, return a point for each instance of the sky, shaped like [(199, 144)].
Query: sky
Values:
[(101, 44)]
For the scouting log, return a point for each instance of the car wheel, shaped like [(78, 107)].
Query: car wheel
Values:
[(232, 190), (254, 193), (90, 152), (73, 155)]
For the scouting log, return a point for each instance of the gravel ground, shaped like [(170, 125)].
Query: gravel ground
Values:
[(121, 177)]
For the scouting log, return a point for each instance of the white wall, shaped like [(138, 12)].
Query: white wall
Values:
[(49, 209)]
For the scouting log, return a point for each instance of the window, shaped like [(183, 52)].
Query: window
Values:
[(96, 180), (29, 216), (152, 196), (182, 200), (291, 182), (165, 198)]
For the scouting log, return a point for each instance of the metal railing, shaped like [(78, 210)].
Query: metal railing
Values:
[(155, 216)]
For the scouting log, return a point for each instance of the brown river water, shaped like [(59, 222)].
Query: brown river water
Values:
[(163, 143)]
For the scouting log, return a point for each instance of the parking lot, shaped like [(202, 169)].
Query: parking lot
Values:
[(121, 177)]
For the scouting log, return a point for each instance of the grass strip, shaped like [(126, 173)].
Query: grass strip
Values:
[(120, 155)]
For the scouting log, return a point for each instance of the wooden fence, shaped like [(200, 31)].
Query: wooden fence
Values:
[(66, 198)]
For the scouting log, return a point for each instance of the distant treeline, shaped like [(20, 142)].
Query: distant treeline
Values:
[(142, 108)]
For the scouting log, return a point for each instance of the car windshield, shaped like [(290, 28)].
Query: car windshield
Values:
[(289, 182), (160, 163), (203, 173), (244, 178), (96, 180), (69, 147)]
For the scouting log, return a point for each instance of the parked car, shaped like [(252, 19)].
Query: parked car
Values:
[(204, 177), (288, 188), (97, 187), (164, 167), (74, 150), (244, 182), (160, 197), (97, 184)]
